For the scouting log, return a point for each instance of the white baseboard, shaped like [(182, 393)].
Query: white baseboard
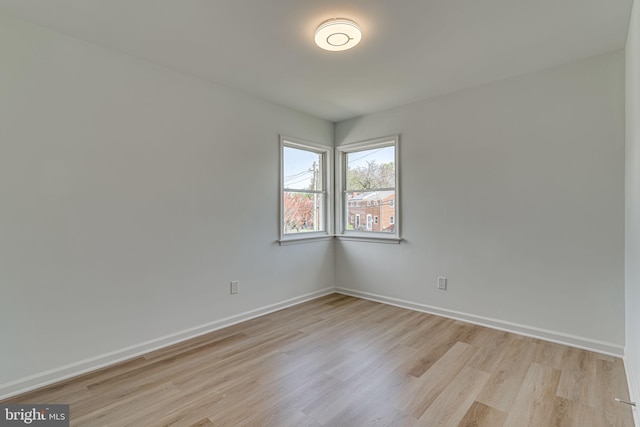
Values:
[(43, 379), (634, 392), (543, 334)]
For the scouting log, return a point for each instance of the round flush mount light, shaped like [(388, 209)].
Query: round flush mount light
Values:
[(338, 34)]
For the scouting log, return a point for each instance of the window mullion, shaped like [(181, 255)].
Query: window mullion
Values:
[(294, 190), (370, 190)]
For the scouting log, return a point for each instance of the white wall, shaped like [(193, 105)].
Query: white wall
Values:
[(131, 195), (633, 204), (515, 192)]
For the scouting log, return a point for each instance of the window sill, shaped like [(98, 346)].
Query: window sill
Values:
[(324, 237), (370, 239), (305, 239)]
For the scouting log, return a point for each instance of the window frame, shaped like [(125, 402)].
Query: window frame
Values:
[(327, 172), (341, 211)]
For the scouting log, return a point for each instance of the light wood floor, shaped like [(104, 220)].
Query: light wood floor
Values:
[(342, 361)]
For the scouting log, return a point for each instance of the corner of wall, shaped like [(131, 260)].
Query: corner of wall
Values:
[(632, 208)]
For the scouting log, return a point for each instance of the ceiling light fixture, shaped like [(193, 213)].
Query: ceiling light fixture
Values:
[(338, 34)]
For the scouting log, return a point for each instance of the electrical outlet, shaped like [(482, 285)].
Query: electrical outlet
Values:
[(234, 286), (442, 283)]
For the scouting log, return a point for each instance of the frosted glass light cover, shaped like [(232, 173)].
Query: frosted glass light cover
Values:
[(338, 34)]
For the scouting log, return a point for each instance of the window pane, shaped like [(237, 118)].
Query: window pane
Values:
[(370, 169), (359, 214), (302, 169), (302, 212)]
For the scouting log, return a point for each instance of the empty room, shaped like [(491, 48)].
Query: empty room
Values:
[(320, 213)]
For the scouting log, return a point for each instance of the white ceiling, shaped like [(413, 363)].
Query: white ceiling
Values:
[(411, 49)]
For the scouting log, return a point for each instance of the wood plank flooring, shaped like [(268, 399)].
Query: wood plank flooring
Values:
[(343, 361)]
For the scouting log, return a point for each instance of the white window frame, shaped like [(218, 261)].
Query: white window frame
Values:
[(326, 154), (340, 198)]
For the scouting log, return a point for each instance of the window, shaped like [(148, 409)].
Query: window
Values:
[(369, 171), (304, 180)]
